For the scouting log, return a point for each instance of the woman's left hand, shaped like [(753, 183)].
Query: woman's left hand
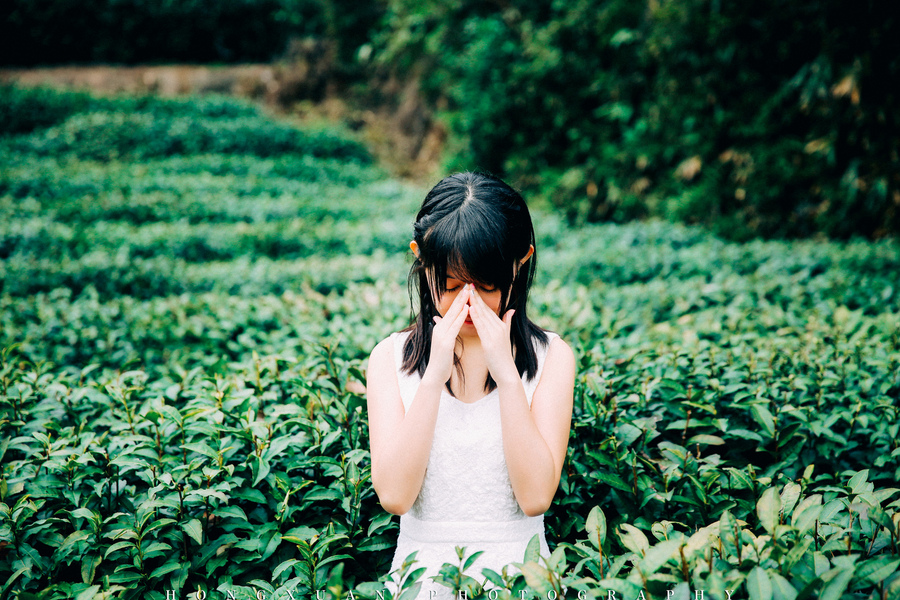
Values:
[(494, 334)]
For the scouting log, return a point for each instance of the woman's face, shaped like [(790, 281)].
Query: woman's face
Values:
[(490, 296)]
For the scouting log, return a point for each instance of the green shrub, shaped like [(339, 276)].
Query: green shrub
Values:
[(754, 119), (106, 136), (24, 110), (182, 346)]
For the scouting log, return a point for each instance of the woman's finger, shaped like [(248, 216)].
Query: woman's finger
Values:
[(475, 313), (457, 324), (482, 310), (482, 304), (461, 298)]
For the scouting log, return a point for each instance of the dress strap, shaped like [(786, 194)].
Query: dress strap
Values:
[(541, 352), (408, 383)]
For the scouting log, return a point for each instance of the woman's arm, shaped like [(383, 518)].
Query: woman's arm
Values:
[(400, 443), (535, 438)]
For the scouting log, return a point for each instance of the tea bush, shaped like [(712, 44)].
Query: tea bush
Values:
[(182, 401), (26, 109)]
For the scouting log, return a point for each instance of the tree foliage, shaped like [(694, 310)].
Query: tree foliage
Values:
[(759, 118)]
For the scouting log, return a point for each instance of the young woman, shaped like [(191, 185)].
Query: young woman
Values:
[(470, 406)]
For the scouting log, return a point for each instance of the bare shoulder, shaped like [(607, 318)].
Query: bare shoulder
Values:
[(382, 355), (555, 388), (560, 357), (382, 389)]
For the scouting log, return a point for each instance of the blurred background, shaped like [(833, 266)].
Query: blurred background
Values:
[(755, 119)]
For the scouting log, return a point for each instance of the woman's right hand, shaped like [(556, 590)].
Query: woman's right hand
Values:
[(443, 337)]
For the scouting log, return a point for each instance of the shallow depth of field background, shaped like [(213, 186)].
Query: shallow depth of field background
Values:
[(206, 208)]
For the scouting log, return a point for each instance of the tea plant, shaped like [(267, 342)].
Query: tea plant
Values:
[(185, 315)]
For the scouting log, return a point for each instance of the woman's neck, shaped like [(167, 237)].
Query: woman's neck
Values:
[(474, 367)]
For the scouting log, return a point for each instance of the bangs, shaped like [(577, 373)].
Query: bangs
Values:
[(467, 247)]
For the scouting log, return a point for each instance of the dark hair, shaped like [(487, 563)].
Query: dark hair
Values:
[(479, 228)]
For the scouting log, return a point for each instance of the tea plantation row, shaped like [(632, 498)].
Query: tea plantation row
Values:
[(186, 312)]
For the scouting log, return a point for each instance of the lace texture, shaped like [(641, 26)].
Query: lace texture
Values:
[(466, 497)]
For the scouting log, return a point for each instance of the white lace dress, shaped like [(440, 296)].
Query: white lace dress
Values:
[(466, 497)]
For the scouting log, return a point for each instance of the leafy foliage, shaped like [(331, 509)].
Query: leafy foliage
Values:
[(148, 31), (181, 389), (756, 119)]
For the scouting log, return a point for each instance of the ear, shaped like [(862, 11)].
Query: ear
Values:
[(527, 255), (415, 248)]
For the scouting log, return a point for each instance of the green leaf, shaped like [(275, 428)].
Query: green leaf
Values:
[(876, 570), (807, 512), (86, 513), (557, 560), (857, 483), (12, 579), (765, 419), (88, 593), (633, 539), (820, 563), (538, 578), (126, 576), (532, 550), (284, 566), (782, 588), (471, 560), (89, 567), (259, 467), (614, 481), (201, 448), (729, 533), (194, 529), (759, 585), (333, 558), (118, 546), (767, 509), (494, 577), (157, 547), (166, 568), (596, 527), (738, 479), (704, 439), (622, 587), (835, 588), (789, 497), (74, 538), (319, 493), (412, 592), (658, 555)]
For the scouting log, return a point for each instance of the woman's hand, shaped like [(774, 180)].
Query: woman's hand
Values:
[(443, 337), (494, 334)]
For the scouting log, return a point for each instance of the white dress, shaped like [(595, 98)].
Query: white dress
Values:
[(466, 497)]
